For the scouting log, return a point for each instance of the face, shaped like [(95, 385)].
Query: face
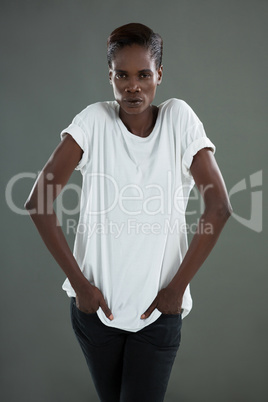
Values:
[(134, 78)]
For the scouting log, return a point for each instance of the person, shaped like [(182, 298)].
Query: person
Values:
[(128, 277)]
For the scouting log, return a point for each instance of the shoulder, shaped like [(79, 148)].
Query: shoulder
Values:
[(179, 110), (176, 106)]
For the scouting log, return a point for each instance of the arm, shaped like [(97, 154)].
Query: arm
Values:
[(55, 174), (210, 183)]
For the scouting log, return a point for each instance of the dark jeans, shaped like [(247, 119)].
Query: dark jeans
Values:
[(128, 366)]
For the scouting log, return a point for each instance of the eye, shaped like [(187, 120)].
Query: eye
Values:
[(120, 75), (145, 75)]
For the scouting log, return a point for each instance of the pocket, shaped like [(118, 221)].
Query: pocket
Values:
[(171, 315), (165, 332), (80, 312)]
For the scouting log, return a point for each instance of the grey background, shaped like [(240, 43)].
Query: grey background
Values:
[(53, 64)]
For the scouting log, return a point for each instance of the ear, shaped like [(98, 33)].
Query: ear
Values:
[(160, 74), (110, 76)]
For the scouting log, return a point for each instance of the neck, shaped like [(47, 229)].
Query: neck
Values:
[(141, 124)]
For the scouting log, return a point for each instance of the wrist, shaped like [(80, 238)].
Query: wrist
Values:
[(81, 285), (177, 288)]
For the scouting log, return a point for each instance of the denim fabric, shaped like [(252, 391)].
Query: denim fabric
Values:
[(128, 366)]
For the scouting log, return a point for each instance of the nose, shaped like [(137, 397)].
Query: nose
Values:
[(132, 86)]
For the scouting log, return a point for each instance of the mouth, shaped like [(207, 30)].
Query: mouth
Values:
[(133, 102)]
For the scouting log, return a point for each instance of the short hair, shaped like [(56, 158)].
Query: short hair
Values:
[(135, 33)]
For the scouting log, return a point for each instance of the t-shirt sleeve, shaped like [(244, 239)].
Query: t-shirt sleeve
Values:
[(78, 131), (193, 139)]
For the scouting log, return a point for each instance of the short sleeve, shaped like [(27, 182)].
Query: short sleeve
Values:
[(77, 130), (193, 138)]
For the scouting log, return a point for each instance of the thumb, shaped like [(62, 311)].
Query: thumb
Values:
[(149, 310), (106, 310)]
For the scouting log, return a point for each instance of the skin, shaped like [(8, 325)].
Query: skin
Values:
[(134, 75), (139, 119)]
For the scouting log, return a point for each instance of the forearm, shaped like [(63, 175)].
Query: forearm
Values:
[(208, 231), (53, 237)]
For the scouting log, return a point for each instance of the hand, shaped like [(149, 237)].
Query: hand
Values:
[(90, 299), (167, 301)]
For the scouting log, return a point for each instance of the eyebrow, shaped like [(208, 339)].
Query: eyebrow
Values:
[(145, 70)]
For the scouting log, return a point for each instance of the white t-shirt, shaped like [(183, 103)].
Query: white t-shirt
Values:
[(131, 237)]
